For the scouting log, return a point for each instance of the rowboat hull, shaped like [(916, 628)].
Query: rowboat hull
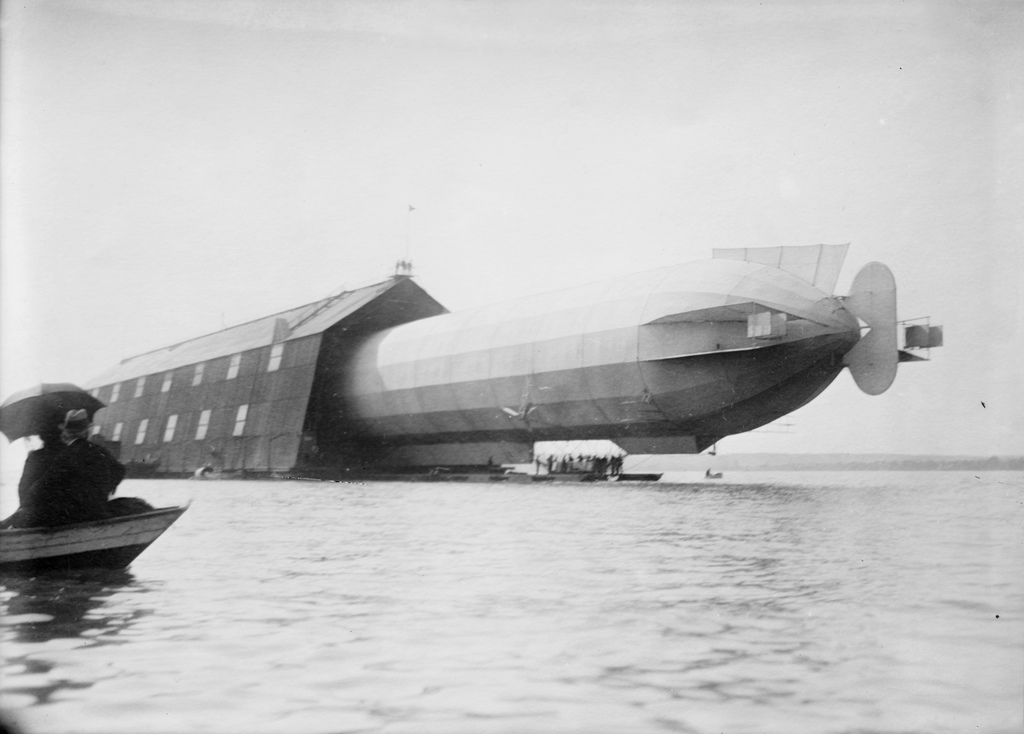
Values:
[(110, 543)]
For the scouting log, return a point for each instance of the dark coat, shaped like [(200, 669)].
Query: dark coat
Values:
[(36, 464), (75, 488)]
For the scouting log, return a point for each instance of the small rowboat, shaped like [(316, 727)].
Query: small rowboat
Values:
[(111, 543)]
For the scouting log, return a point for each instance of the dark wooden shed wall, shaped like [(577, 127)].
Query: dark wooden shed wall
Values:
[(273, 425), (296, 417)]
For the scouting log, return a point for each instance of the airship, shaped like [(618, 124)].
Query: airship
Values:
[(669, 360), (664, 361)]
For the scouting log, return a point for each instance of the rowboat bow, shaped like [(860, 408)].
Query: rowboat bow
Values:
[(111, 543)]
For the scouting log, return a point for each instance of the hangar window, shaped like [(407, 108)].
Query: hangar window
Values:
[(168, 378), (115, 391), (236, 362), (140, 385), (204, 424), (197, 378), (172, 422), (276, 352), (243, 411), (140, 435), (117, 432)]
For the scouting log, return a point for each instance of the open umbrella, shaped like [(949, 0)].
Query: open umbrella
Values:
[(27, 412)]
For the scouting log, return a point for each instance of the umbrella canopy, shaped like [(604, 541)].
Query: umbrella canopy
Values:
[(27, 412)]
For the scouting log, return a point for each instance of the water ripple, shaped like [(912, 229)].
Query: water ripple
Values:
[(838, 603)]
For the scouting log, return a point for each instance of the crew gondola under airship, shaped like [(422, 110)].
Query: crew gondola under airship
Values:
[(663, 361)]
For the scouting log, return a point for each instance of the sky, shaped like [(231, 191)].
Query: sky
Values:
[(171, 167)]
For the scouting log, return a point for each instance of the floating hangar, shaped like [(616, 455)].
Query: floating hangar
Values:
[(384, 378)]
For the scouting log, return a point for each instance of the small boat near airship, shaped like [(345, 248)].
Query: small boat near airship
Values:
[(111, 543)]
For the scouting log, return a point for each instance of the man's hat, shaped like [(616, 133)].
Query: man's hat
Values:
[(75, 420)]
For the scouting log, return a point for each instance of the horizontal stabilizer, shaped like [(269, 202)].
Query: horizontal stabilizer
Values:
[(872, 299)]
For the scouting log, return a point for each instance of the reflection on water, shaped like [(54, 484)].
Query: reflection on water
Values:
[(56, 612), (806, 603), (49, 606)]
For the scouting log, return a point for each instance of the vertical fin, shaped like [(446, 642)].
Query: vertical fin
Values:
[(872, 299), (819, 265)]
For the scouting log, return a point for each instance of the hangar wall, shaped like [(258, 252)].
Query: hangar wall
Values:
[(254, 397), (233, 413)]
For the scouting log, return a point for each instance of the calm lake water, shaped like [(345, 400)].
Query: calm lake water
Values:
[(791, 602)]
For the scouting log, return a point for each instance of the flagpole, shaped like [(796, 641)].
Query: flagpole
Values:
[(408, 230)]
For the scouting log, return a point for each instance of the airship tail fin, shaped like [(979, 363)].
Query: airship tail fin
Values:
[(819, 265), (872, 299)]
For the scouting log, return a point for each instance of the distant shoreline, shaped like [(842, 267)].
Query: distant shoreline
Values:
[(837, 462)]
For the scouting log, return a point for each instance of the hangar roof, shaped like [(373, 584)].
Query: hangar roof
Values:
[(302, 321)]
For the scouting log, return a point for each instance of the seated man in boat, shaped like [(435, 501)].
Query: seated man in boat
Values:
[(77, 484)]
